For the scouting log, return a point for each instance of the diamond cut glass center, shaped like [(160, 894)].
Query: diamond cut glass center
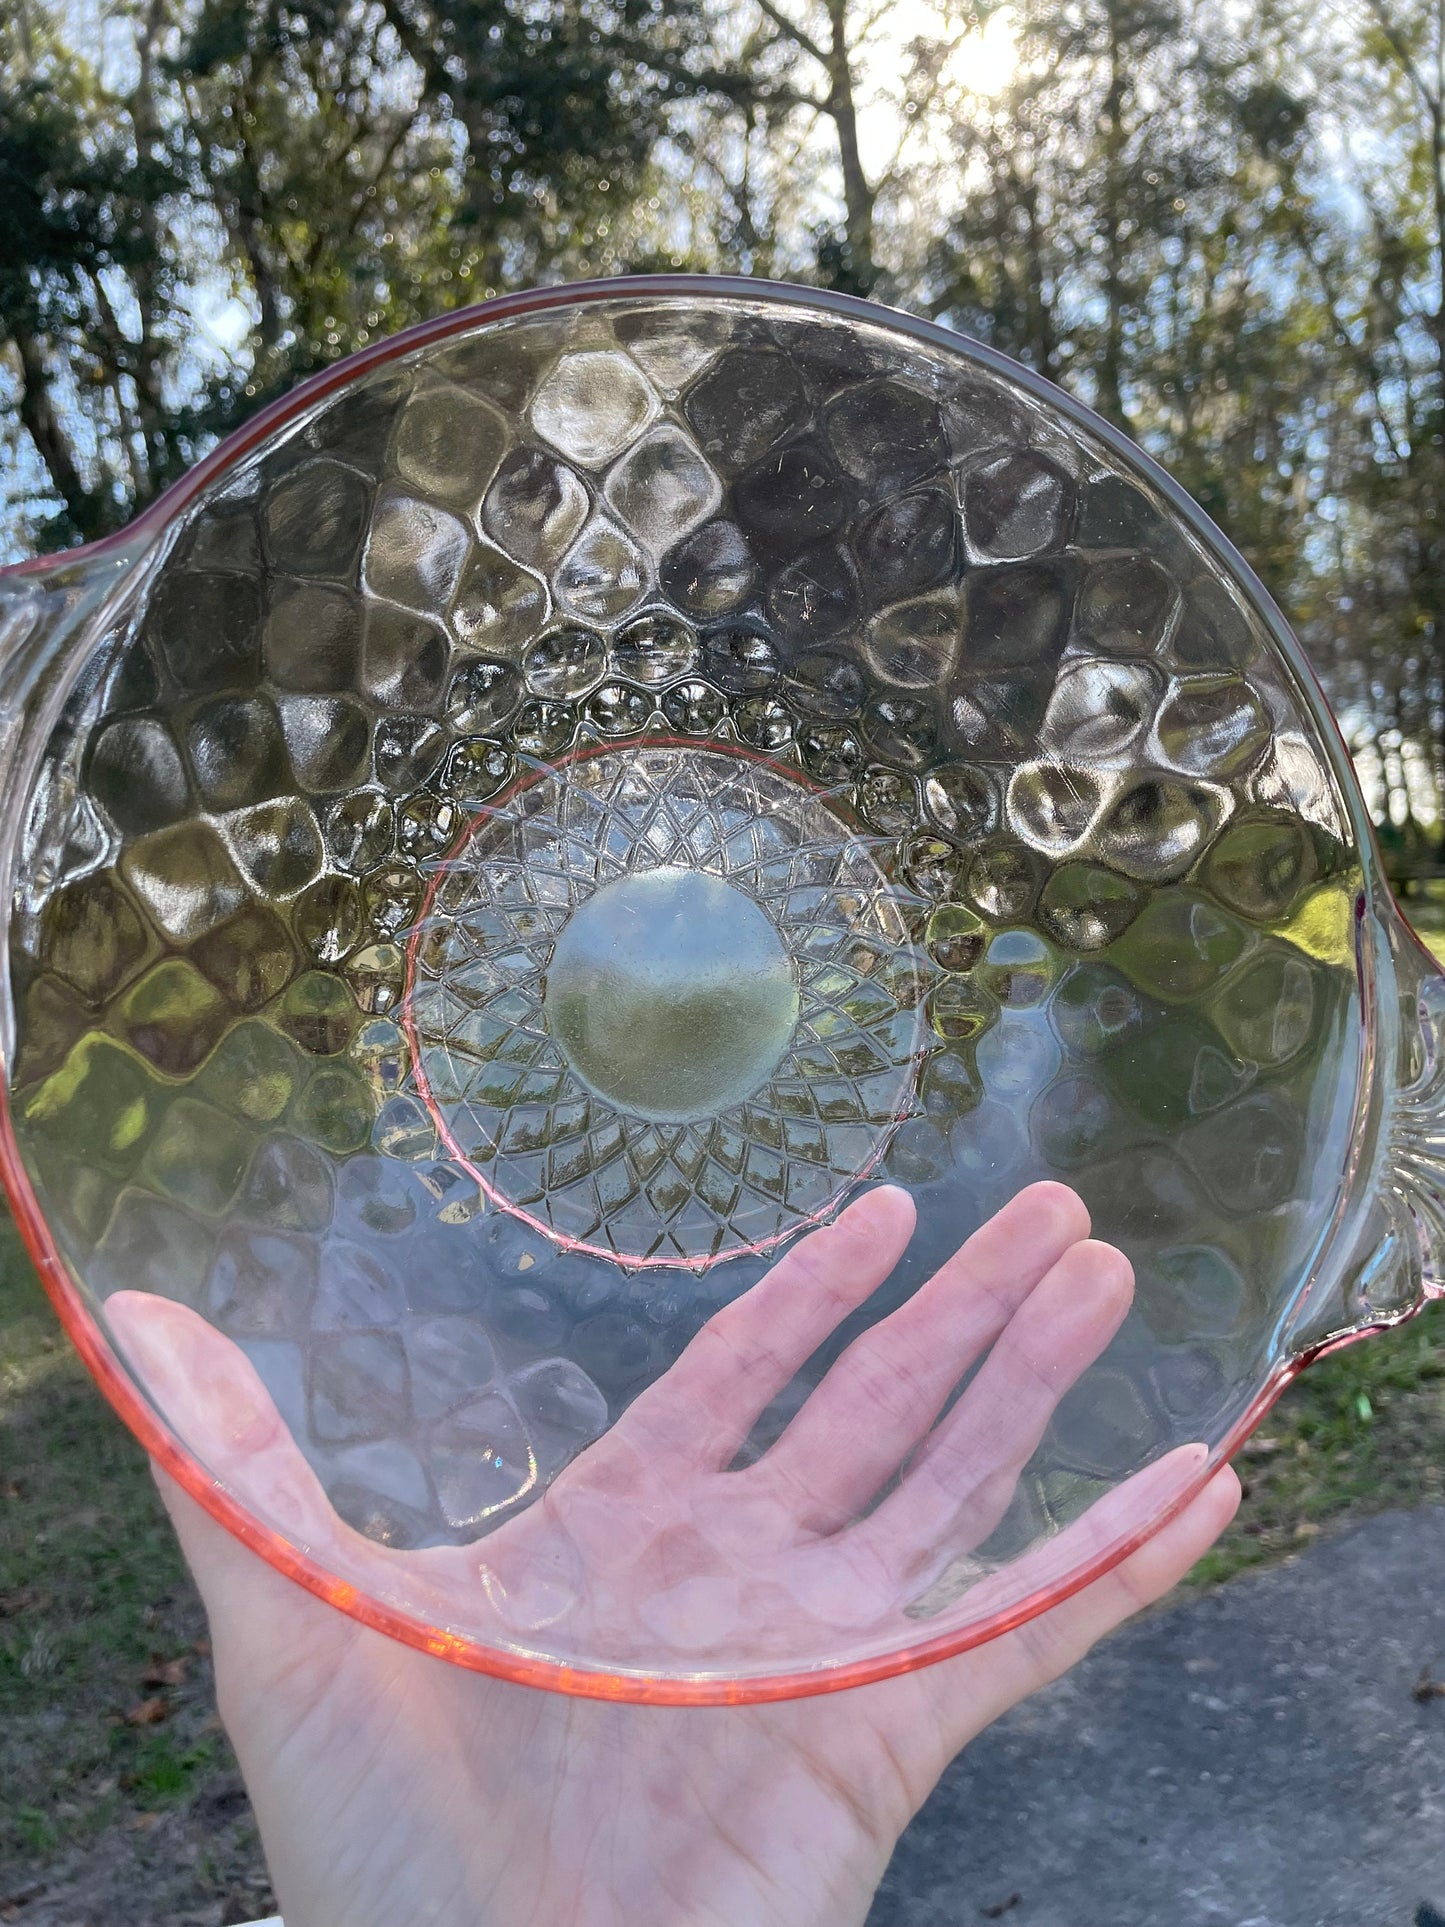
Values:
[(664, 1003), (671, 994)]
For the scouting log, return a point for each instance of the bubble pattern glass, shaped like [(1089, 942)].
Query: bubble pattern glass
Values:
[(1019, 831)]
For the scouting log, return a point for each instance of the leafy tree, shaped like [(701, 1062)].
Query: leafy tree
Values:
[(86, 304), (1381, 275), (269, 186), (1222, 227)]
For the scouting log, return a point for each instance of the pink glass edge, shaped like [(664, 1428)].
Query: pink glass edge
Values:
[(120, 1390)]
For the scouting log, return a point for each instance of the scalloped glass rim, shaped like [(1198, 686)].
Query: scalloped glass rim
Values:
[(123, 1391)]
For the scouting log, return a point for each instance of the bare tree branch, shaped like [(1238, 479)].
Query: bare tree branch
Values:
[(799, 36)]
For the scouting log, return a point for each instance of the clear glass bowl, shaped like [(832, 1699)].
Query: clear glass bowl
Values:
[(567, 801)]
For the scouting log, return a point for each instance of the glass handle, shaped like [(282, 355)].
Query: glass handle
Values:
[(1415, 1163), (1395, 1251), (50, 613), (43, 605)]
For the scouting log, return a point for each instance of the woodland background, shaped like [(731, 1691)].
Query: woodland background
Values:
[(1219, 222)]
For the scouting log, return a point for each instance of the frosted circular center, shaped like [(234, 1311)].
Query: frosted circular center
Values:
[(671, 994)]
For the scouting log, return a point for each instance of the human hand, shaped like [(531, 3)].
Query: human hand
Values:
[(392, 1788)]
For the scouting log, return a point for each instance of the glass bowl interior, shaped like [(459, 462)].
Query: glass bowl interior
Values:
[(567, 812)]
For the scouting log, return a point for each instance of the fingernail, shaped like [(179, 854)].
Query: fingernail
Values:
[(879, 1204)]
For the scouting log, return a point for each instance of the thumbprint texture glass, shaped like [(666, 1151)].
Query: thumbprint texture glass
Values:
[(564, 805)]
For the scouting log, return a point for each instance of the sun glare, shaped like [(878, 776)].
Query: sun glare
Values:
[(980, 65), (988, 60)]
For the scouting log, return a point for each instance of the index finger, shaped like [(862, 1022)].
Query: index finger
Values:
[(705, 1406)]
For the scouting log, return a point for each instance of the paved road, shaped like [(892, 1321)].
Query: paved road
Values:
[(1255, 1757)]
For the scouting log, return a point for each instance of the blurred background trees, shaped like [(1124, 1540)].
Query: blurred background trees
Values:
[(1221, 225)]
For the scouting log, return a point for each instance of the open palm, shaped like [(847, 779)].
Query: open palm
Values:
[(393, 1789)]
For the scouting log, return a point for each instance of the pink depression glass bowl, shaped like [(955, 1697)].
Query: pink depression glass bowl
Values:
[(567, 801)]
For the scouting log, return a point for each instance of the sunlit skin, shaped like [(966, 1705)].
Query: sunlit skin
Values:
[(391, 1788)]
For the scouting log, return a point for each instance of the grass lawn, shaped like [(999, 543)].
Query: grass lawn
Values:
[(1357, 1433), (119, 1799), (1360, 1432)]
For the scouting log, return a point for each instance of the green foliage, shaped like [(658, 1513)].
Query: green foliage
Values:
[(91, 1589), (1223, 227), (34, 1832), (263, 187), (164, 1769), (1357, 1432)]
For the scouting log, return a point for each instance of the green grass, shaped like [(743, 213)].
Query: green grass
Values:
[(166, 1769), (92, 1595), (1433, 937), (1425, 908), (1359, 1432)]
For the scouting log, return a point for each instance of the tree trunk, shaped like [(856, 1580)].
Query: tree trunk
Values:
[(858, 195), (1111, 361), (1431, 446), (85, 510), (1044, 335), (162, 462)]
